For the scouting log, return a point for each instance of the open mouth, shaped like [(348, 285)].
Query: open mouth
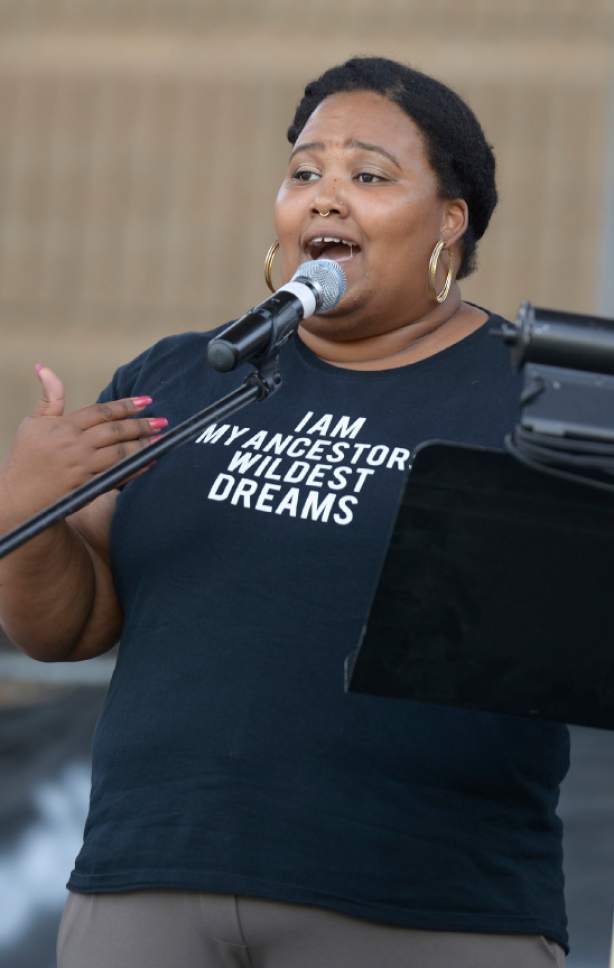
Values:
[(332, 247)]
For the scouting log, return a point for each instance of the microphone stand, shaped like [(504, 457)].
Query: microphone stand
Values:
[(259, 385)]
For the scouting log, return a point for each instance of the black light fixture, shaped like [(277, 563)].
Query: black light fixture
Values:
[(566, 422)]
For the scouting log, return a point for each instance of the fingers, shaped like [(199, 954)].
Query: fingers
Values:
[(105, 457), (117, 432), (101, 413), (51, 402)]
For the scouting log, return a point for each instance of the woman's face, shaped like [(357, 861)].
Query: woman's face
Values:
[(361, 158)]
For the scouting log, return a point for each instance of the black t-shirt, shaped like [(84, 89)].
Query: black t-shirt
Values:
[(228, 757)]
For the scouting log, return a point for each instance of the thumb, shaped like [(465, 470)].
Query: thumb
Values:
[(51, 403)]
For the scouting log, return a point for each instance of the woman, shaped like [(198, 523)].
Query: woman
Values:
[(244, 809)]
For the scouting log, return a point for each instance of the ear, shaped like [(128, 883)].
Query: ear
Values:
[(454, 220)]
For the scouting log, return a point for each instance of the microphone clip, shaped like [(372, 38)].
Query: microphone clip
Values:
[(266, 374)]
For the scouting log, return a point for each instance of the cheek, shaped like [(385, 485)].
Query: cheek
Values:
[(408, 234), (284, 224), (286, 214)]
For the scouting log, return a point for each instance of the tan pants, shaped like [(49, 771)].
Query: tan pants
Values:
[(177, 929)]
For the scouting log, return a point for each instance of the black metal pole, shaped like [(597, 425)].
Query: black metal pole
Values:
[(257, 386)]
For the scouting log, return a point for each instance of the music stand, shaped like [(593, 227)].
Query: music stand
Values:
[(496, 592)]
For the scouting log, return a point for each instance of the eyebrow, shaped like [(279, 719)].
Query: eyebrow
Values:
[(351, 143)]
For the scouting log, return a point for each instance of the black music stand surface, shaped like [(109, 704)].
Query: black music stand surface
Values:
[(496, 593)]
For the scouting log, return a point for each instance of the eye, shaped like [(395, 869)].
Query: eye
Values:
[(305, 175), (369, 177)]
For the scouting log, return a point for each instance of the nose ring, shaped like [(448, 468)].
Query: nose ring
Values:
[(324, 214)]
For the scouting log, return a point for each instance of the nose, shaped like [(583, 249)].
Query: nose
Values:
[(329, 200)]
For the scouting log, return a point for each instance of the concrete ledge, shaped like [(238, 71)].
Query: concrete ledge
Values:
[(15, 667)]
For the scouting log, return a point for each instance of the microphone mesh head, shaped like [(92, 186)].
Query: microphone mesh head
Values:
[(328, 279)]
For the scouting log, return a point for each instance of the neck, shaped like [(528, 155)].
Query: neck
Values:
[(430, 333)]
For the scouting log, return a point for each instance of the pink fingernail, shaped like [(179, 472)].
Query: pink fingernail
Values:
[(141, 402), (157, 423), (39, 366)]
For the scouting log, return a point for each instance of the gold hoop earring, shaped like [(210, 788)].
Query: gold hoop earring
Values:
[(441, 296), (268, 264)]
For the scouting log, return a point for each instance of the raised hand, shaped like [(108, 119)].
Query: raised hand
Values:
[(53, 452)]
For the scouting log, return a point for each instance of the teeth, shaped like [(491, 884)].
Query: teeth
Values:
[(317, 250), (329, 238)]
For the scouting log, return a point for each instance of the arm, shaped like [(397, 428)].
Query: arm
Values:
[(57, 598)]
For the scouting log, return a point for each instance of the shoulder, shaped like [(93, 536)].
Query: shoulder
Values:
[(484, 316), (488, 328), (172, 356)]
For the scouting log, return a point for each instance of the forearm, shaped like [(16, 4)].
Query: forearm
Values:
[(57, 595), (47, 592)]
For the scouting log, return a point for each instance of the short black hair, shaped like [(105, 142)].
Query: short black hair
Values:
[(456, 147)]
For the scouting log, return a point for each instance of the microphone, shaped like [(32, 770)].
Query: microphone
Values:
[(315, 287)]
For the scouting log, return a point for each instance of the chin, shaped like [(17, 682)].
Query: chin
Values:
[(335, 325)]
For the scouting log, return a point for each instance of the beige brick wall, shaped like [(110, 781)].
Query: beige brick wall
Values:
[(142, 144), (525, 19)]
